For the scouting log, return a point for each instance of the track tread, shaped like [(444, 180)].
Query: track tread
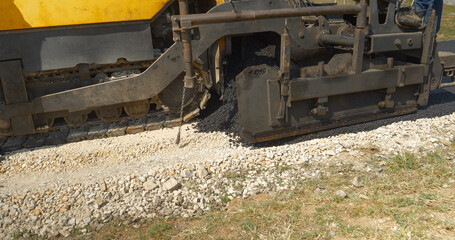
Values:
[(96, 129)]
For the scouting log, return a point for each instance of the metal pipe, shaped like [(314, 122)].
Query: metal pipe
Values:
[(362, 16), (186, 43), (444, 85), (183, 7), (247, 15), (336, 40)]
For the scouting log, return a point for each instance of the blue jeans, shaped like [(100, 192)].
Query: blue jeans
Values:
[(430, 4)]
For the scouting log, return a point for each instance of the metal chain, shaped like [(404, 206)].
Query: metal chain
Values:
[(177, 140)]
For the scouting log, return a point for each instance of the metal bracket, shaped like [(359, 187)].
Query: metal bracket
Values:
[(285, 62), (13, 84), (321, 110), (358, 50), (179, 27), (388, 102), (427, 54), (233, 6), (401, 77)]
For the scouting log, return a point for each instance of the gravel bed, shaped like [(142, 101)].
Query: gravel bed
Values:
[(50, 191)]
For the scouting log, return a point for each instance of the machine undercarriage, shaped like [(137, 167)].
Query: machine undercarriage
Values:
[(336, 65)]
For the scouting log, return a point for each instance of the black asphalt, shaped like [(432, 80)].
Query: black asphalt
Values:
[(447, 46)]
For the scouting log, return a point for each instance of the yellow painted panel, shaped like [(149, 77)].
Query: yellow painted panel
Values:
[(21, 14)]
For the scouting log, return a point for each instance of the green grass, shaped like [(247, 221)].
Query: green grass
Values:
[(158, 231), (447, 30)]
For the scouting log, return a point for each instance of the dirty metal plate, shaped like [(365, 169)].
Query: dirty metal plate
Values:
[(302, 89), (395, 42), (64, 47), (258, 100), (253, 101), (315, 127)]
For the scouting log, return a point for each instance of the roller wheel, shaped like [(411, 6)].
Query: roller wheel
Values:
[(137, 109), (43, 123), (109, 114), (76, 119), (171, 96)]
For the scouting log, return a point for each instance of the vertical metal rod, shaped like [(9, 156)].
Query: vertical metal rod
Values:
[(358, 50), (188, 80), (183, 7), (362, 16), (285, 61), (359, 37), (186, 42)]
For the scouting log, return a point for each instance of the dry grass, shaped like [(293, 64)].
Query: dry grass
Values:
[(411, 198), (447, 31)]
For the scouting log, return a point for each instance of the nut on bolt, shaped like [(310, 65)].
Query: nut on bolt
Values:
[(410, 42), (4, 124)]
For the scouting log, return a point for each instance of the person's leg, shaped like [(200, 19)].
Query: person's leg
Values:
[(437, 6), (422, 5), (430, 4)]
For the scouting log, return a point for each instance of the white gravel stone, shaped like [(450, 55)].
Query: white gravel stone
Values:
[(150, 185), (201, 172), (341, 193), (171, 184), (356, 182)]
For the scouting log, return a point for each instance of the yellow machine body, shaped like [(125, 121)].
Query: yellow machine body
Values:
[(24, 14)]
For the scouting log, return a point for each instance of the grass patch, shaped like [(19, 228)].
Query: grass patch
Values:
[(447, 30), (24, 234), (158, 231), (407, 161), (225, 198)]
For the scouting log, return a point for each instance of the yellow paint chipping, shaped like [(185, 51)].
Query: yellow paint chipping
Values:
[(22, 14)]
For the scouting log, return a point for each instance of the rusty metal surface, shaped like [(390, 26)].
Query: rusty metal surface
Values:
[(376, 86), (337, 40), (248, 15), (309, 128), (62, 47), (144, 86), (373, 79), (348, 100), (395, 42)]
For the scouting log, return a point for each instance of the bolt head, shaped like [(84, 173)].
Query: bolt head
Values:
[(410, 42)]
